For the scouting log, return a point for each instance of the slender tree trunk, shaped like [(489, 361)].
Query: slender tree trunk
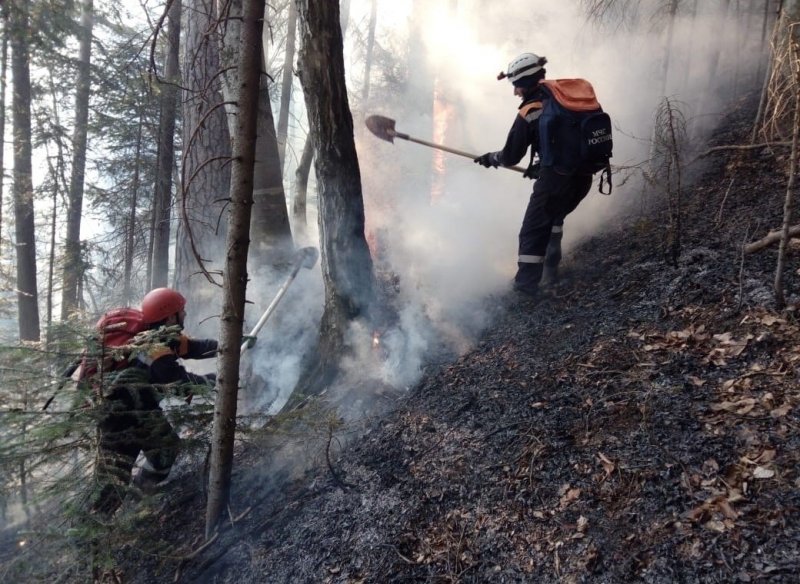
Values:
[(27, 288), (672, 14), (286, 82), (346, 262), (166, 150), (3, 84), (373, 20), (301, 184), (130, 228), (780, 297), (73, 263), (51, 263), (235, 276)]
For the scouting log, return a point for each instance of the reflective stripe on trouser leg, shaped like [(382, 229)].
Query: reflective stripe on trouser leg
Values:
[(553, 253)]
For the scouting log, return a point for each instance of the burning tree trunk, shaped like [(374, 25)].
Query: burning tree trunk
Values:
[(235, 276), (346, 262)]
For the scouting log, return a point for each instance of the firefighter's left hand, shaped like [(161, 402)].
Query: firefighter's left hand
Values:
[(532, 171), (250, 340), (489, 160)]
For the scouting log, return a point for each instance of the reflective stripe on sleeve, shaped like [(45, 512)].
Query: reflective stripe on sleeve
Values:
[(530, 259), (557, 229)]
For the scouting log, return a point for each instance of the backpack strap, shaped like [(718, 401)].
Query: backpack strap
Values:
[(530, 112)]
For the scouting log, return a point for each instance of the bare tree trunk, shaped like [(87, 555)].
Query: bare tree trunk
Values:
[(286, 82), (373, 20), (27, 288), (780, 298), (73, 263), (130, 228), (346, 263), (235, 277), (3, 84), (301, 184), (206, 173), (762, 103), (672, 12), (166, 150)]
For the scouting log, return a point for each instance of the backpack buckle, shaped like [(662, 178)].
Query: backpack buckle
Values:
[(607, 174)]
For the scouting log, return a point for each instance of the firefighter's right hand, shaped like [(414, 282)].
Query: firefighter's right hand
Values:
[(489, 160)]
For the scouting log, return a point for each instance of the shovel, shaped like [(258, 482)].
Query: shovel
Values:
[(306, 258), (383, 128)]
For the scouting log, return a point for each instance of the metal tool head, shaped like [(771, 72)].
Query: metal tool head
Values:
[(382, 127), (310, 257)]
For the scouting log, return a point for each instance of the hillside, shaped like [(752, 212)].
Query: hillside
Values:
[(641, 423)]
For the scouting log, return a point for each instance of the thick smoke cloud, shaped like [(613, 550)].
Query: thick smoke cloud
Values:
[(452, 254)]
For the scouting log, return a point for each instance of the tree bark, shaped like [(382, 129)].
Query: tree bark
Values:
[(166, 149), (73, 262), (286, 82), (345, 259), (235, 276), (27, 288)]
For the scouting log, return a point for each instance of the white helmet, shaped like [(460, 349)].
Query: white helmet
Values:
[(524, 65)]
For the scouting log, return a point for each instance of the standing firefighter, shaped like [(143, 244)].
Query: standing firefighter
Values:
[(564, 125), (131, 390)]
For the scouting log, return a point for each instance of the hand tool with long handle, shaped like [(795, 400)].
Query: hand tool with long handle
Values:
[(306, 258), (383, 128)]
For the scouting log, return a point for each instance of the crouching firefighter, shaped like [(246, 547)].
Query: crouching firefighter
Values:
[(131, 420), (562, 122)]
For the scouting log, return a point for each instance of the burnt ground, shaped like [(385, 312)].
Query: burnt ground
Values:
[(639, 425)]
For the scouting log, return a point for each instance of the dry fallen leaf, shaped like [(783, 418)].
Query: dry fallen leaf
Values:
[(762, 472), (781, 411)]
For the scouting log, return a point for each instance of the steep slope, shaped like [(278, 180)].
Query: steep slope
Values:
[(641, 424)]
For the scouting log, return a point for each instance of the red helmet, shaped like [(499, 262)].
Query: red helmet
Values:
[(161, 303)]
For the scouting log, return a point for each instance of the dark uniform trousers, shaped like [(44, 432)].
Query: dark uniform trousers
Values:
[(131, 422), (554, 197)]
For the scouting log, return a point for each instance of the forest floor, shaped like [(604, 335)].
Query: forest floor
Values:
[(641, 424)]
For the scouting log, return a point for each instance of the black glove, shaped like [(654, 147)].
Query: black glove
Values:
[(489, 160), (532, 171)]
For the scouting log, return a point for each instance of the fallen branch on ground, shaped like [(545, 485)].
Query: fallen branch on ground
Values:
[(770, 238), (716, 149)]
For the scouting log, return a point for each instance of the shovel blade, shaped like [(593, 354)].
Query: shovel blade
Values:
[(382, 127)]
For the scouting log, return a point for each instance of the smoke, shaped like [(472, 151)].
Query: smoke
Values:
[(451, 257)]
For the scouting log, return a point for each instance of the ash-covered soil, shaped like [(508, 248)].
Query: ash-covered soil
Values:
[(639, 425)]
